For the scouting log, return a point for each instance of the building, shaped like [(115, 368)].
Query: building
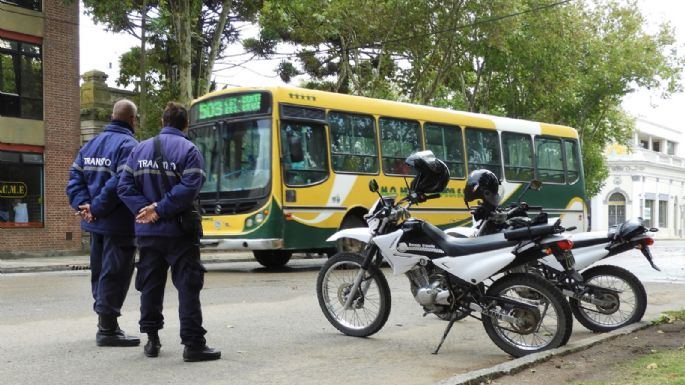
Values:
[(39, 125), (97, 100), (646, 180)]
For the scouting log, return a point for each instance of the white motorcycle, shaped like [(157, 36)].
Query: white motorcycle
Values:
[(602, 298), (522, 313)]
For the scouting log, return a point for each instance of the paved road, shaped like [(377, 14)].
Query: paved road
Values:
[(268, 325)]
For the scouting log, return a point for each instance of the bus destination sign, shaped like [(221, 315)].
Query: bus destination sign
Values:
[(231, 105)]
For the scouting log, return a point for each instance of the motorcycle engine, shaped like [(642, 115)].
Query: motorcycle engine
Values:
[(430, 290)]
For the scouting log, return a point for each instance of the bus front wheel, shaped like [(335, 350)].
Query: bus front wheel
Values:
[(272, 258)]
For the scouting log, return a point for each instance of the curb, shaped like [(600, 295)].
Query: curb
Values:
[(483, 376)]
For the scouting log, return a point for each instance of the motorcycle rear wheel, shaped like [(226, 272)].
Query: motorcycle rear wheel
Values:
[(629, 307), (369, 311), (531, 334)]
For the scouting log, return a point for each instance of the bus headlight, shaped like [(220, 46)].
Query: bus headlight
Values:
[(249, 222), (259, 218)]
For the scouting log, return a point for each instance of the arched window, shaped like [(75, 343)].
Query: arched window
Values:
[(617, 209)]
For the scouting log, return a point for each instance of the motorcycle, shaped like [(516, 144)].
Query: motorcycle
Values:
[(602, 298), (522, 313)]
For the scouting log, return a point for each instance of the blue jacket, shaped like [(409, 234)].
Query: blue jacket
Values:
[(141, 182), (93, 178)]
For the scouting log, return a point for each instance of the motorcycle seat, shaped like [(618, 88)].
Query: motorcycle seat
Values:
[(588, 239), (455, 247)]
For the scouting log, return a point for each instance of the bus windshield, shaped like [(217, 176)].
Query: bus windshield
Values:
[(237, 156)]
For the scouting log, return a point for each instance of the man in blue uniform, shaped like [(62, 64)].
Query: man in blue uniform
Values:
[(161, 241), (92, 192)]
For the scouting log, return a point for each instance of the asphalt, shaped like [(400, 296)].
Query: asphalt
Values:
[(33, 264)]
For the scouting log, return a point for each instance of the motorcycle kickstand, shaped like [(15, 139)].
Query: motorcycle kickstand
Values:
[(447, 331)]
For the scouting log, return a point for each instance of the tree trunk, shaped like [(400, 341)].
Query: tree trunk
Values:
[(143, 69), (216, 43), (182, 15)]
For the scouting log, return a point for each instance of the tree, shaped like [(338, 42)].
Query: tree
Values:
[(185, 38), (560, 62)]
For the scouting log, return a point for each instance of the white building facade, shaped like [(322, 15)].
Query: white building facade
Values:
[(646, 180)]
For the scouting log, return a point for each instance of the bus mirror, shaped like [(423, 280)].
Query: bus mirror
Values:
[(535, 185), (295, 149), (373, 185)]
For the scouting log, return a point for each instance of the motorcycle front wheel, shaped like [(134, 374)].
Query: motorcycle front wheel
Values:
[(547, 325), (623, 308), (370, 305)]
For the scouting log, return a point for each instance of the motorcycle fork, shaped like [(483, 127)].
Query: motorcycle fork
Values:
[(360, 282)]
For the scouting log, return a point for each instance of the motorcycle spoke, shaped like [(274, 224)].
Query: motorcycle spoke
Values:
[(544, 330), (625, 308)]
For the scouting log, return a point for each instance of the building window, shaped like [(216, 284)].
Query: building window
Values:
[(21, 189), (648, 213), (617, 209), (656, 146), (21, 80), (353, 143), (29, 4), (670, 148), (644, 144), (663, 214)]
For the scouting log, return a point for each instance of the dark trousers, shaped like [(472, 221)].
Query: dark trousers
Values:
[(111, 265), (182, 254)]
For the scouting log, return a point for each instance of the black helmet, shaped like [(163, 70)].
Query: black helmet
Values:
[(482, 184), (432, 174)]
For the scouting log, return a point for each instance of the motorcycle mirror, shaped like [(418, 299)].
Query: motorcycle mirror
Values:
[(373, 185)]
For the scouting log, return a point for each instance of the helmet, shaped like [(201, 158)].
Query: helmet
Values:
[(432, 174), (482, 184)]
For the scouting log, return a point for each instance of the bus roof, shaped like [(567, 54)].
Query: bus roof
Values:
[(372, 106)]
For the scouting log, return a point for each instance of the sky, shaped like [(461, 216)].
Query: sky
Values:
[(101, 50)]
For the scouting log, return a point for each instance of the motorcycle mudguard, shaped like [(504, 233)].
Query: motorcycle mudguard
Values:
[(359, 233)]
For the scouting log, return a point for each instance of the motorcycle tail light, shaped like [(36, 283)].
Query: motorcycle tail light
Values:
[(649, 241), (566, 244)]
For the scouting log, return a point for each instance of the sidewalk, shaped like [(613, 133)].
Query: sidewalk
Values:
[(10, 265)]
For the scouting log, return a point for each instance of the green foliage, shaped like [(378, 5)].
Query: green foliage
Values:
[(176, 68), (567, 64), (669, 317)]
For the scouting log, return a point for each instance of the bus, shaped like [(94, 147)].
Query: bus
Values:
[(287, 167)]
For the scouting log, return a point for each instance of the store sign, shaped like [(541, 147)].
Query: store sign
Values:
[(12, 189)]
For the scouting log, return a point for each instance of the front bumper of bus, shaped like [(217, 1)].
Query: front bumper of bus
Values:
[(241, 244)]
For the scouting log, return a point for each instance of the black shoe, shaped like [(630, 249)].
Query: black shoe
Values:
[(200, 353), (152, 346), (109, 333), (116, 338)]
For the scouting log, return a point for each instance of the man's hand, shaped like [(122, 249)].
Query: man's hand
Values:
[(147, 214), (84, 212)]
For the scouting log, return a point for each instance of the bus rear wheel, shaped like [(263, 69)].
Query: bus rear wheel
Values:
[(272, 258)]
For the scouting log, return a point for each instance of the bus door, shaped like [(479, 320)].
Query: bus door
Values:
[(306, 180)]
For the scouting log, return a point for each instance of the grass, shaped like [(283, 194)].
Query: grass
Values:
[(670, 316), (655, 368)]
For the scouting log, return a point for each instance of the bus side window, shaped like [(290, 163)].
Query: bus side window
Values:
[(447, 144), (549, 160), (307, 166), (572, 167), (353, 143), (518, 156), (399, 139), (483, 150)]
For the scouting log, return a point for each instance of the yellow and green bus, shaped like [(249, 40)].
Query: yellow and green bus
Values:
[(287, 167)]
